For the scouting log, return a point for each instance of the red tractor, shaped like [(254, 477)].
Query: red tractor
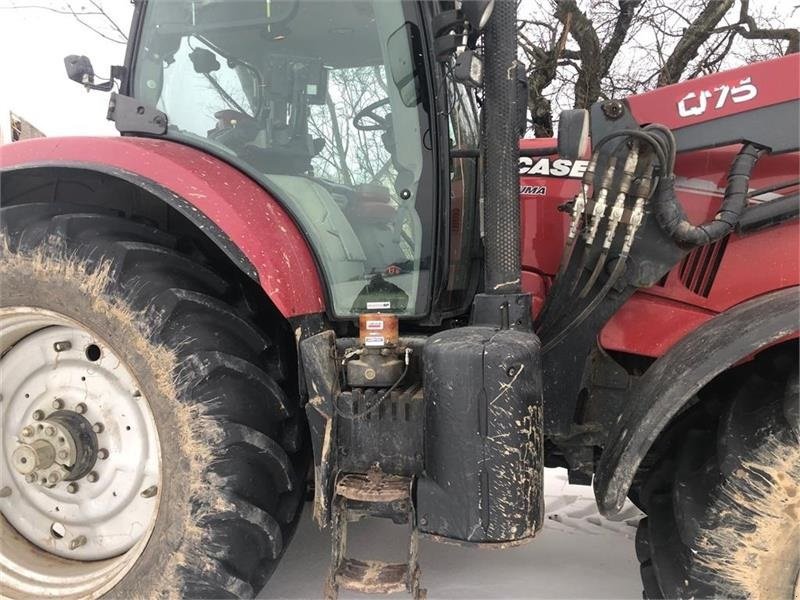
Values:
[(310, 261)]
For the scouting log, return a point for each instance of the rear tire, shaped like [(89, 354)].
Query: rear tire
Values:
[(723, 501), (232, 455)]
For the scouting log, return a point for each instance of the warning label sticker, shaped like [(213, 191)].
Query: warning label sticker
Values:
[(375, 340), (374, 324)]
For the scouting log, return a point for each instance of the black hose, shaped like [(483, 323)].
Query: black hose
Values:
[(616, 273), (653, 141), (670, 145), (672, 218)]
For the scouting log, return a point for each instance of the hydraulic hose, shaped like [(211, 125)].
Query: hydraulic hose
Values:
[(616, 273), (671, 217), (643, 191)]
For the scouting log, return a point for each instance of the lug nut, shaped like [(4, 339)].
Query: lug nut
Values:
[(38, 415), (72, 488), (54, 478), (58, 403), (63, 455), (77, 542), (98, 428), (149, 492), (102, 454), (80, 408), (50, 431), (27, 431), (5, 492), (92, 477), (62, 346), (30, 477)]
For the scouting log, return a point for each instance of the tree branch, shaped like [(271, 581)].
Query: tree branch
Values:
[(77, 15), (109, 20), (693, 38), (627, 10), (587, 88), (752, 31)]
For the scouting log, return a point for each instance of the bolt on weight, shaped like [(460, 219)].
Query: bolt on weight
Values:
[(62, 346), (72, 488), (38, 415)]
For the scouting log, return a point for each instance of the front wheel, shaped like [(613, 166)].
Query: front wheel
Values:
[(723, 502), (147, 448)]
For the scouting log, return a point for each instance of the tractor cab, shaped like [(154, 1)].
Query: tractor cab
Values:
[(334, 108)]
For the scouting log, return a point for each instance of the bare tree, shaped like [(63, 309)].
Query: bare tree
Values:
[(580, 51), (91, 15)]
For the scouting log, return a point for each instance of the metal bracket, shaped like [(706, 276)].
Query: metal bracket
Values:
[(132, 116)]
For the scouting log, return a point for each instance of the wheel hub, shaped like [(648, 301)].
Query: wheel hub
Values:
[(81, 470), (61, 447)]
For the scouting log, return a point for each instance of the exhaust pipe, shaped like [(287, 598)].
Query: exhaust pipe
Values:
[(501, 152)]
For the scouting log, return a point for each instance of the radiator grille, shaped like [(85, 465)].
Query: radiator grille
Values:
[(699, 269)]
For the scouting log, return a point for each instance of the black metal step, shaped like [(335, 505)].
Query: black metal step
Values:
[(374, 487), (372, 576)]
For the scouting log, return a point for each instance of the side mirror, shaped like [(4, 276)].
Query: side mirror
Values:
[(477, 12), (80, 70), (573, 134)]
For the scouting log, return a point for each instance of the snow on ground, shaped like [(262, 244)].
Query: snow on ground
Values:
[(578, 554)]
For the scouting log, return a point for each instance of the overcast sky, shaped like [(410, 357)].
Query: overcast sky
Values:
[(34, 41), (33, 82)]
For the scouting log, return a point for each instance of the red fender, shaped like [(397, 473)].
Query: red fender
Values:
[(245, 212)]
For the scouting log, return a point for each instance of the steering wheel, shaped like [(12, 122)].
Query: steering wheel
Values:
[(380, 123)]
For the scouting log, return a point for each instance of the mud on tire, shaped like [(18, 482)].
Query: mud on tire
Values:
[(232, 456), (723, 500)]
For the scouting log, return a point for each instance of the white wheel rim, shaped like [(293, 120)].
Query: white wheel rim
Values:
[(79, 537)]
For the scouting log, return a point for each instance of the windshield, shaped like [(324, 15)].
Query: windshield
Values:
[(322, 102)]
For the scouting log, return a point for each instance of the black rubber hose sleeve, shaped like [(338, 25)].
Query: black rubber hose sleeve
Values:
[(672, 218)]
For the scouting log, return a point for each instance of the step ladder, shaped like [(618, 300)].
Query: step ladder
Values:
[(372, 494)]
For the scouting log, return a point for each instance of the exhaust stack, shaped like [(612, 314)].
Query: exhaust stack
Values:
[(501, 152)]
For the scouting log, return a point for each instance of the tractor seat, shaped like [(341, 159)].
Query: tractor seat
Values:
[(371, 206)]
